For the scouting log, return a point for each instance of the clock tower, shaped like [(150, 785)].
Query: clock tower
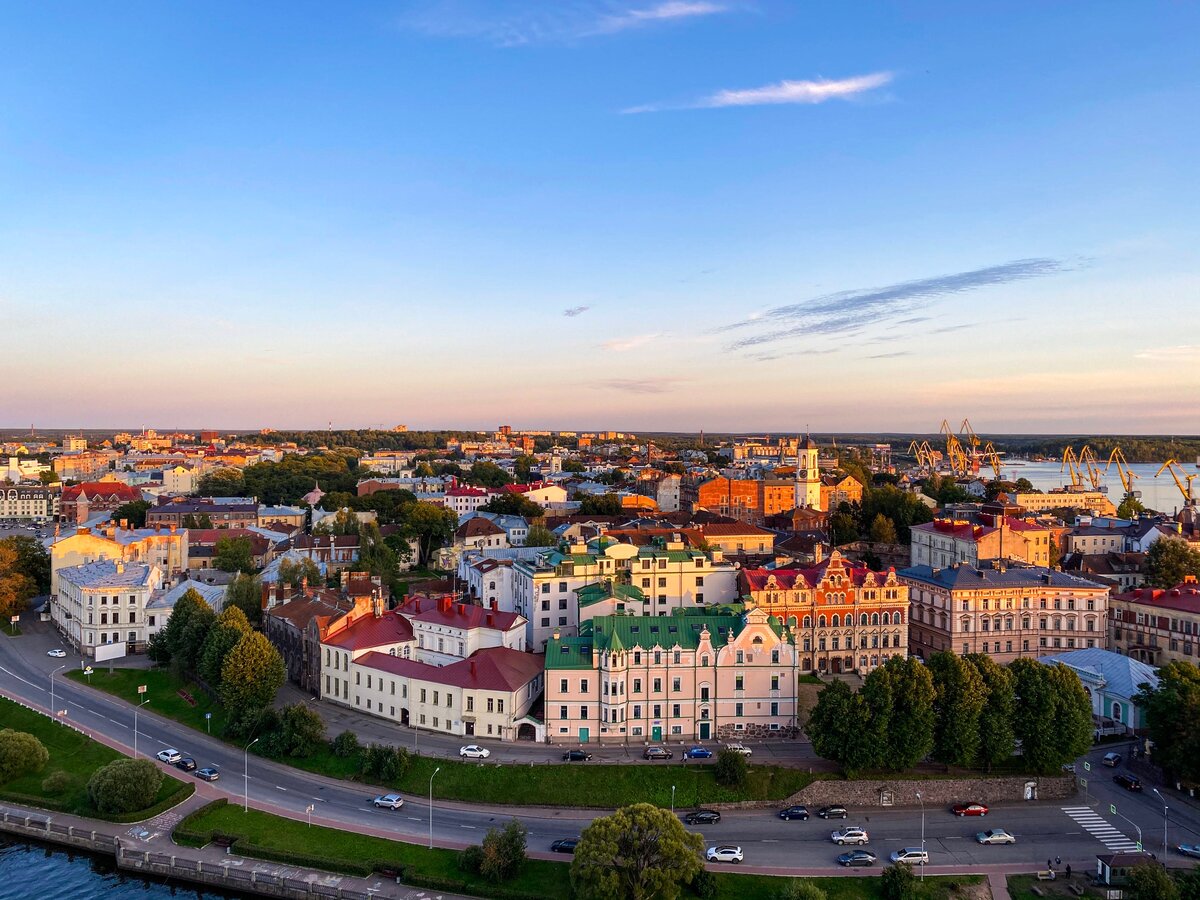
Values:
[(808, 475)]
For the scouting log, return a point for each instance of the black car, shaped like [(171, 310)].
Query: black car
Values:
[(566, 845), (857, 858), (576, 756), (656, 753), (1128, 782), (794, 812), (703, 817), (187, 764), (837, 811)]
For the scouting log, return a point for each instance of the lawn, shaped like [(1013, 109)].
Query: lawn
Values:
[(942, 887), (71, 752), (162, 694), (1019, 887)]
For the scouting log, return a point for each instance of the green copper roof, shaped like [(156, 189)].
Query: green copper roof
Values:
[(602, 590)]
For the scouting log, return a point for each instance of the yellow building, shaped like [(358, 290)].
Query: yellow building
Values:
[(166, 548), (838, 489)]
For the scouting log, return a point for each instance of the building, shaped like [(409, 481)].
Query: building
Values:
[(808, 476), (667, 493), (1007, 613), (1094, 501), (241, 512), (105, 602), (281, 518), (694, 676), (464, 499), (165, 548), (1112, 681), (29, 504), (82, 501), (745, 499), (478, 533), (1157, 626), (85, 465), (1120, 571), (845, 617), (948, 542), (839, 489), (180, 479)]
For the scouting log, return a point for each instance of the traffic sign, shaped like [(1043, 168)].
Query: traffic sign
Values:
[(1087, 767), (208, 715), (141, 689), (1083, 782), (1139, 846), (87, 670), (13, 620), (1112, 808)]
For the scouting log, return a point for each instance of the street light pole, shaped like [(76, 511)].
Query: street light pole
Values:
[(922, 799), (53, 711), (135, 715), (1165, 809), (672, 799), (431, 777), (246, 775)]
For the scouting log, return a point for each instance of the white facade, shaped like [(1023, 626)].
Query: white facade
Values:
[(105, 602)]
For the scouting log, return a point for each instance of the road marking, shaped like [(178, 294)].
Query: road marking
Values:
[(1099, 828), (770, 841), (278, 788), (472, 827), (414, 819)]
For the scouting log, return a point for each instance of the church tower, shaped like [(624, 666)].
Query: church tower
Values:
[(808, 475)]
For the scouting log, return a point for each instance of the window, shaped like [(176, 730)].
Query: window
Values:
[(637, 711), (583, 710), (675, 686), (738, 683), (637, 657), (741, 656), (737, 709), (675, 710), (662, 582), (637, 685), (774, 682), (583, 685), (491, 705), (657, 711), (562, 686), (699, 581), (500, 705), (775, 709), (658, 685)]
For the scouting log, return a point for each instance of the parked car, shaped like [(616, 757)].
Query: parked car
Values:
[(837, 811), (724, 853), (187, 764), (703, 817), (1128, 782), (857, 858), (1112, 760), (656, 753), (208, 773), (474, 751), (995, 836), (914, 856), (565, 845), (388, 801), (794, 812), (851, 835), (740, 748), (698, 753), (169, 755), (576, 756), (1192, 850), (970, 809), (56, 653)]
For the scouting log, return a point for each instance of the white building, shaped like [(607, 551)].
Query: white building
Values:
[(105, 602)]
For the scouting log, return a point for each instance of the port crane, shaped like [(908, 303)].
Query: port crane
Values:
[(1090, 466), (1127, 475), (1070, 465), (956, 456), (1183, 481)]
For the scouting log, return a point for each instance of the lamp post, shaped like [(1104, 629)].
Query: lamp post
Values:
[(922, 799), (141, 692), (309, 810), (53, 711), (1165, 809), (431, 777), (672, 799), (246, 775)]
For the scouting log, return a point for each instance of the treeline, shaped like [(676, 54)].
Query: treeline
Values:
[(1172, 717), (1136, 449), (966, 712)]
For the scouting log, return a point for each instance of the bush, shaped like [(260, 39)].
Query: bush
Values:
[(898, 882), (298, 732), (731, 768), (124, 786), (345, 744), (56, 783), (799, 889), (20, 754), (470, 859), (385, 764), (503, 852), (704, 885)]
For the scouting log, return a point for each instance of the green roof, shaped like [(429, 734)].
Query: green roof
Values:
[(602, 590), (670, 555)]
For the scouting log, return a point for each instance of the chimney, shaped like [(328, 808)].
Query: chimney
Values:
[(494, 605), (120, 567), (490, 620), (173, 528), (472, 668), (417, 603), (304, 585)]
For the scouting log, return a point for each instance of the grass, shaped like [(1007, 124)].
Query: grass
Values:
[(1019, 887), (809, 679), (71, 752), (738, 887), (162, 694)]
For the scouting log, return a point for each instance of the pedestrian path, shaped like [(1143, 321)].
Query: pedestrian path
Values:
[(1099, 828)]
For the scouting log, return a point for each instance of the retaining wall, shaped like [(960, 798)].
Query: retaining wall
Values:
[(934, 791)]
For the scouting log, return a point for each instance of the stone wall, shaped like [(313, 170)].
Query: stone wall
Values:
[(936, 791)]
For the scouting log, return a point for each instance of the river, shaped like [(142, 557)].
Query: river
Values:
[(1157, 493)]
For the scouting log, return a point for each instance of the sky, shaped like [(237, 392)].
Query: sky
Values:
[(674, 215)]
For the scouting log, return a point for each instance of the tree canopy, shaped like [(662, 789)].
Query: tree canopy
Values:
[(234, 554), (1169, 561), (639, 852), (1172, 715), (133, 512)]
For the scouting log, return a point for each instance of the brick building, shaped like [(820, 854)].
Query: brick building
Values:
[(81, 501)]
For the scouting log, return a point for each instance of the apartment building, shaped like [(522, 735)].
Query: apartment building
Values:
[(165, 548), (947, 542), (1157, 626), (105, 602), (29, 504), (81, 501)]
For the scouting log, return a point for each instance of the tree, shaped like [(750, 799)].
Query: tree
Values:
[(604, 505), (124, 786), (431, 525), (15, 586), (875, 701), (573, 466), (1131, 507), (344, 521), (639, 852), (234, 554), (996, 738), (883, 530), (540, 536), (522, 466), (49, 477), (1172, 716), (224, 635), (1169, 561), (221, 483), (253, 672), (834, 727), (345, 744), (20, 754), (730, 769), (245, 592), (1150, 881), (843, 528), (487, 474), (1053, 715), (1072, 736), (201, 521), (133, 513), (186, 657), (911, 716), (376, 556), (800, 889), (503, 852), (898, 882), (513, 505), (298, 732), (190, 605), (295, 572), (959, 700), (32, 561)]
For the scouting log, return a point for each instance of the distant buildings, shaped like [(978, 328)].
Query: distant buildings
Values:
[(29, 504), (81, 501), (947, 542)]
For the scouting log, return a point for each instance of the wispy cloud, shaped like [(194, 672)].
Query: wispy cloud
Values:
[(620, 345), (849, 312), (575, 311), (671, 10), (806, 92), (947, 329), (894, 355), (1178, 353), (641, 385)]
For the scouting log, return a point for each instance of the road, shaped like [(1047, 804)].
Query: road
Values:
[(1071, 830)]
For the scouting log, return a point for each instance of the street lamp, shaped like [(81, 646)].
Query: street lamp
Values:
[(1165, 808), (140, 704), (246, 775), (672, 799), (53, 711), (309, 810), (922, 799), (435, 771)]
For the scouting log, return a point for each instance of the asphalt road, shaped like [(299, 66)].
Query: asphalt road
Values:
[(1043, 829)]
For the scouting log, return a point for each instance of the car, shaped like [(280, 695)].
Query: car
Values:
[(576, 756), (208, 773), (187, 764), (836, 811), (388, 801), (794, 812), (995, 836), (169, 755), (851, 835), (57, 653), (857, 858), (724, 853), (474, 751), (970, 809), (1112, 760), (1128, 782), (698, 753), (703, 817), (656, 753), (911, 855), (1192, 850), (740, 748), (565, 845)]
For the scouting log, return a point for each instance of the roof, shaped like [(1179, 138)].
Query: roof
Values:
[(1181, 598), (477, 527), (108, 490), (445, 611), (965, 578), (301, 610), (499, 669), (105, 573), (1122, 675), (371, 631), (801, 577), (213, 594), (602, 590)]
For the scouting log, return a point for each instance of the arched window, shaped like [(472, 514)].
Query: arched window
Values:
[(897, 618), (874, 618), (791, 621), (837, 620), (862, 620), (808, 621), (1117, 710), (821, 621)]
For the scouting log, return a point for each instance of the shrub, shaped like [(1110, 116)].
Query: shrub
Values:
[(298, 732), (898, 882), (385, 764), (56, 783), (20, 754), (470, 859), (124, 786), (731, 768), (503, 852), (799, 889), (704, 885), (345, 744)]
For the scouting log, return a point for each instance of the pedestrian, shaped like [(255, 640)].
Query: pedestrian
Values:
[(1068, 871), (1049, 865)]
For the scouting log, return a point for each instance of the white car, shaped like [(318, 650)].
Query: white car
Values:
[(388, 801), (914, 856), (739, 748), (724, 853), (56, 653), (171, 756), (474, 751), (851, 835), (996, 836)]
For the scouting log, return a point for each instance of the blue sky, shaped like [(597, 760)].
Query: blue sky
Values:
[(762, 215)]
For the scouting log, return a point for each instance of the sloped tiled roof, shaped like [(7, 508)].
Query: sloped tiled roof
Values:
[(490, 669)]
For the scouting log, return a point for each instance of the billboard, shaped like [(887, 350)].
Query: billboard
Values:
[(110, 651)]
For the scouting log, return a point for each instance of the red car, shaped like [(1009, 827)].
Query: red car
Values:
[(970, 809)]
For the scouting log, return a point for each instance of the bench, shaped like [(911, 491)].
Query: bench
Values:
[(1046, 875), (1076, 889)]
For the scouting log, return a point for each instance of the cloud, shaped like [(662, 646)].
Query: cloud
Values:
[(640, 385), (808, 92), (620, 345), (894, 355), (575, 311), (848, 312), (946, 329), (1178, 353), (671, 10)]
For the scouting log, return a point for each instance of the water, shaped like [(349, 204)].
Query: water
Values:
[(1157, 493), (29, 871)]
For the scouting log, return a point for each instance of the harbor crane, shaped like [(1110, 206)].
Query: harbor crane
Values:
[(1183, 481), (1091, 466), (1127, 475), (1070, 465)]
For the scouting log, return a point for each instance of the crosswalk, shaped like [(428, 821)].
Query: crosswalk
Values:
[(1099, 828)]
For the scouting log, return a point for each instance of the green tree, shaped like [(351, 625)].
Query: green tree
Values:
[(20, 754), (15, 586), (835, 725), (513, 505), (603, 505), (190, 605), (996, 737), (637, 853), (344, 521), (295, 572), (801, 889), (245, 592), (431, 525), (252, 674), (503, 852), (1189, 885), (1172, 716), (1131, 507), (133, 513), (911, 716), (883, 530), (522, 465), (345, 744), (186, 657), (1072, 714), (487, 474), (730, 769), (1025, 486), (49, 477), (540, 536), (200, 521), (1053, 716), (221, 483), (376, 556), (33, 561), (230, 627), (573, 466), (234, 554), (298, 732), (959, 700), (1169, 561), (898, 882), (876, 700), (124, 786), (843, 529), (1150, 881)]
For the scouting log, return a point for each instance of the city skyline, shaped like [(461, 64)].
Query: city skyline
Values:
[(648, 216)]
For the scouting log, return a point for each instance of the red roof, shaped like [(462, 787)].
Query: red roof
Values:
[(369, 631), (446, 611), (490, 669), (1182, 598), (800, 578), (108, 490), (466, 491)]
